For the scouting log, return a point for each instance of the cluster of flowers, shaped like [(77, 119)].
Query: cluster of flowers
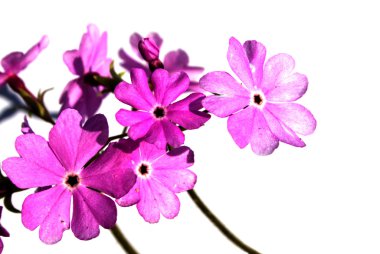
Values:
[(149, 167)]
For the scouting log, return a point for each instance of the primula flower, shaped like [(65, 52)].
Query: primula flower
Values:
[(3, 232), (15, 62), (156, 116), (84, 93), (59, 163), (159, 176), (176, 60), (260, 110)]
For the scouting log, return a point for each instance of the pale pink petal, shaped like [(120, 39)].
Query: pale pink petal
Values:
[(288, 88), (275, 69), (128, 117), (174, 136), (239, 64), (129, 94), (179, 158), (222, 83), (51, 210), (255, 52), (134, 42), (223, 106), (186, 112), (91, 209), (132, 197), (281, 131), (33, 52), (141, 129), (109, 173), (38, 165), (177, 180), (240, 126), (176, 60), (167, 201), (147, 206), (263, 142), (294, 116)]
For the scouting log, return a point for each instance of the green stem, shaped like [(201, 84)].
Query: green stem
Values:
[(120, 238), (225, 231)]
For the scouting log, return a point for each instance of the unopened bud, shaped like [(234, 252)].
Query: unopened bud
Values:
[(148, 49)]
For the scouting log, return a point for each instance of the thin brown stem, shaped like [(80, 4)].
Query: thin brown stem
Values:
[(124, 243), (225, 231)]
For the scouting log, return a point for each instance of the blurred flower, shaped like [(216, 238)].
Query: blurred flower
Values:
[(84, 93), (15, 62), (159, 176), (3, 232), (25, 127), (156, 116), (260, 111), (60, 163), (176, 60)]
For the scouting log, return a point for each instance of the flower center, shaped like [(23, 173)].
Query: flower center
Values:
[(257, 99), (143, 169), (72, 180), (159, 112)]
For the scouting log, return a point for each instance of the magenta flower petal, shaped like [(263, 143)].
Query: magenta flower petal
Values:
[(224, 106), (49, 209), (67, 145), (240, 126), (156, 135), (73, 61), (179, 158), (281, 131), (239, 63), (223, 83), (82, 97), (177, 180), (185, 112), (167, 87), (147, 206), (25, 127), (174, 136), (167, 202), (255, 52), (128, 117), (130, 94), (38, 165), (132, 197), (263, 141), (91, 209), (288, 88), (117, 179), (18, 61), (140, 81), (295, 116), (141, 129), (134, 40), (147, 152)]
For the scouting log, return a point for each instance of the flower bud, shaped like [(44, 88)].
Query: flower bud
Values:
[(148, 49)]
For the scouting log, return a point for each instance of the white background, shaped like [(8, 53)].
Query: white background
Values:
[(324, 198)]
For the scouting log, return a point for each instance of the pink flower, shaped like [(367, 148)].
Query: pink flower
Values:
[(15, 62), (159, 176), (176, 60), (3, 232), (59, 163), (84, 93), (260, 111), (157, 117)]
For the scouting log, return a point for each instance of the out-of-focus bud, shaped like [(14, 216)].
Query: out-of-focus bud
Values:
[(148, 49)]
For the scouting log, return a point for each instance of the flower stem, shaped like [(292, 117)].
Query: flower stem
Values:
[(120, 238), (226, 232)]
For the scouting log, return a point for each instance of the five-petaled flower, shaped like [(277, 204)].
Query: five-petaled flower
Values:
[(261, 110), (84, 93), (3, 232), (160, 175), (156, 116), (59, 165), (15, 62)]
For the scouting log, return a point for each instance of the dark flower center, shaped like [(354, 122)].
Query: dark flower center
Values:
[(159, 112), (257, 99), (143, 169), (72, 180)]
